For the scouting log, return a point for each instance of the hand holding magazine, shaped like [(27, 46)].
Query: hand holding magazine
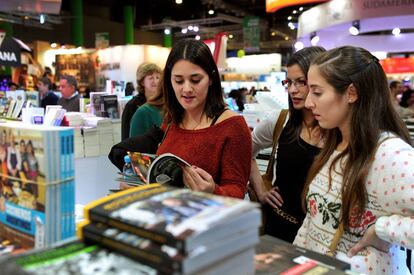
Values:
[(165, 168)]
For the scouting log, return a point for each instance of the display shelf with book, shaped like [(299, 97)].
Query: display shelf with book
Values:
[(37, 193)]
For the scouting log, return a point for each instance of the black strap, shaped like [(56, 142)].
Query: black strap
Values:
[(217, 117)]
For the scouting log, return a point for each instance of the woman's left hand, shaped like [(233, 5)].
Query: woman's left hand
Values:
[(370, 238), (197, 179)]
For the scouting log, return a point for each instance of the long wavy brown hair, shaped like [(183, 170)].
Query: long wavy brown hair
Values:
[(371, 114)]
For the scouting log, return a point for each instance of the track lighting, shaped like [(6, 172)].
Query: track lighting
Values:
[(314, 38), (354, 29)]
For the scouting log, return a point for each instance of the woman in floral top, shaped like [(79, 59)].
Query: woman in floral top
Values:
[(362, 181)]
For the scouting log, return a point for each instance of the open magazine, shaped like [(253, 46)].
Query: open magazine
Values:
[(165, 168)]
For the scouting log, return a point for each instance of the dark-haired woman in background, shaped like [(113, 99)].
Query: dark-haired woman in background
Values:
[(298, 144)]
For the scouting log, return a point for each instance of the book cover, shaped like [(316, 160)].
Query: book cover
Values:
[(166, 215), (73, 257), (275, 256), (110, 104)]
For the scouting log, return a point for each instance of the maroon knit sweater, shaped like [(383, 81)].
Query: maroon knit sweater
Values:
[(223, 150)]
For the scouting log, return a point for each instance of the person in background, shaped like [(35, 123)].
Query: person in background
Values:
[(199, 128), (70, 96), (237, 96), (407, 98), (148, 115), (360, 187), (12, 86), (298, 144), (396, 89), (47, 97), (148, 78)]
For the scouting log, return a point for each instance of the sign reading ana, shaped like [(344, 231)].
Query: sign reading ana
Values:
[(9, 51), (274, 5)]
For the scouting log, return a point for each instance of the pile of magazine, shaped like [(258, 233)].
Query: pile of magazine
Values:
[(37, 186), (175, 230)]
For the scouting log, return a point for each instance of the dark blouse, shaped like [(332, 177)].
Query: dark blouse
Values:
[(293, 161)]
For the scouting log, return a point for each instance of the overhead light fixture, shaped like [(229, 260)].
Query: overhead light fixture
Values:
[(196, 28), (289, 17), (184, 30), (396, 31), (231, 36), (190, 28), (294, 11), (211, 11), (42, 18), (354, 29), (178, 2), (301, 9), (299, 45), (197, 37), (273, 33), (167, 31), (53, 45), (314, 38)]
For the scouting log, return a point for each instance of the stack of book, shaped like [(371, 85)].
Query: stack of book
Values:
[(104, 128), (175, 231), (37, 194), (116, 131), (90, 141)]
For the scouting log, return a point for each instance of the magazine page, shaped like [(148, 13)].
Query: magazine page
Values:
[(167, 168)]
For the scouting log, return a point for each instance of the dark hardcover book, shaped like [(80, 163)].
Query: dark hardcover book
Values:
[(72, 258), (110, 104), (177, 217), (275, 256), (167, 259)]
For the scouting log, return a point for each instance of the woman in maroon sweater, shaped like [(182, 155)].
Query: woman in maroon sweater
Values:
[(202, 131)]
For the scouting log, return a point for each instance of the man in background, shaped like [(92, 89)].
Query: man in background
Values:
[(70, 96), (47, 97)]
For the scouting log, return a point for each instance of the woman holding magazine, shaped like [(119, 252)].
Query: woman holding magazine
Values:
[(199, 128)]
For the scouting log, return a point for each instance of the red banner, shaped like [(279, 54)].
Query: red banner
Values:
[(274, 5), (398, 65)]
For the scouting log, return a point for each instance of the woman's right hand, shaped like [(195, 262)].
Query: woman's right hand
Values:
[(272, 197)]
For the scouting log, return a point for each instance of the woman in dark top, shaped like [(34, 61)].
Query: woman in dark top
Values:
[(148, 78), (298, 144)]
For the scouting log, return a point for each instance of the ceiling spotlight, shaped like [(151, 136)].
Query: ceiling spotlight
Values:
[(197, 37), (167, 31), (195, 29), (184, 30), (289, 17), (53, 45), (314, 38), (178, 2), (396, 31), (294, 11), (211, 11), (42, 18), (231, 36), (190, 28), (301, 9), (299, 45), (354, 29), (273, 33), (286, 38)]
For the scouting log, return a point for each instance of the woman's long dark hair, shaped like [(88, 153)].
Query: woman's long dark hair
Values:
[(198, 53), (371, 114), (303, 59)]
